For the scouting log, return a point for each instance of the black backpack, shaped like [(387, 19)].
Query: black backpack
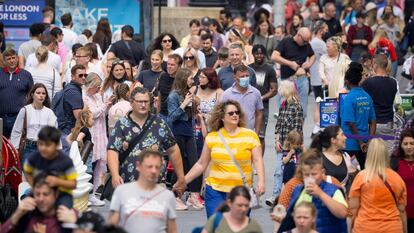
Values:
[(8, 202)]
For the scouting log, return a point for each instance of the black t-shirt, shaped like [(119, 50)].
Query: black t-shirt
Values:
[(88, 136), (265, 74), (382, 91), (148, 79), (211, 58), (339, 172), (334, 27), (128, 50), (164, 89), (291, 51)]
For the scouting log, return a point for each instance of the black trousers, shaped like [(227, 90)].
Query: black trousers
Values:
[(189, 156)]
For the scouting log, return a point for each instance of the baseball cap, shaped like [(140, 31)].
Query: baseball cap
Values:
[(370, 6)]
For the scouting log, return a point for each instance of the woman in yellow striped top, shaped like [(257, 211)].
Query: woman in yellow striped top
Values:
[(244, 143)]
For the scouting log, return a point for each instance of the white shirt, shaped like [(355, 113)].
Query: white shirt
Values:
[(52, 59), (46, 75), (201, 56), (69, 38), (36, 120)]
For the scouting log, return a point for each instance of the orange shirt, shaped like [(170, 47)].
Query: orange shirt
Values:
[(377, 211)]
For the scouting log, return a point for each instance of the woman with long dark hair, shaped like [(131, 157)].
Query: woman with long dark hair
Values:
[(403, 163), (167, 43), (103, 34), (180, 116), (116, 76), (263, 35), (37, 114)]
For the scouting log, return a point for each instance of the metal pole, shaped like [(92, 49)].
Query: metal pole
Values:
[(159, 17), (279, 11)]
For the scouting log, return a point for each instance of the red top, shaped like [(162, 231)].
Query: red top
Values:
[(406, 171)]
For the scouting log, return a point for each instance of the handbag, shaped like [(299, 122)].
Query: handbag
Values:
[(86, 150), (108, 189), (254, 202), (23, 138)]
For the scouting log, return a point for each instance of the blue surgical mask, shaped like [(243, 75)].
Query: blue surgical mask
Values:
[(244, 81)]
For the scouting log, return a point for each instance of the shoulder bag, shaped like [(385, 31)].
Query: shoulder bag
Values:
[(254, 203), (108, 190), (23, 137)]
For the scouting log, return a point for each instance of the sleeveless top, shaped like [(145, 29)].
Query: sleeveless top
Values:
[(206, 106), (340, 172)]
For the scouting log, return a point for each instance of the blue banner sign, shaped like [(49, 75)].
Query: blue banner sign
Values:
[(329, 112), (86, 13), (21, 12)]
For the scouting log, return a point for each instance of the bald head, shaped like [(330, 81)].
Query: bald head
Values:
[(303, 36), (195, 42)]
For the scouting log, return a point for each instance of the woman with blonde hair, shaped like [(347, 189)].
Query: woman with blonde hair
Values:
[(228, 146), (290, 118), (378, 195), (192, 62), (149, 78), (93, 100), (333, 65), (45, 73), (381, 44)]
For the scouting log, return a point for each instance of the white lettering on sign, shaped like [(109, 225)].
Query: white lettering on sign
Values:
[(21, 8)]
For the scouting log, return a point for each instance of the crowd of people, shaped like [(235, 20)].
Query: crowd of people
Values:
[(182, 124)]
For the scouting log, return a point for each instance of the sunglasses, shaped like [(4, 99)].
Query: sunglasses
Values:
[(82, 75), (189, 58), (167, 41), (233, 112)]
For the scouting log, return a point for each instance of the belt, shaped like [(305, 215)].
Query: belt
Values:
[(31, 142)]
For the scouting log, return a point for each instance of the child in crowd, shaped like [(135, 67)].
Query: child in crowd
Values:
[(328, 198), (304, 216), (222, 61), (51, 160), (81, 132), (291, 152)]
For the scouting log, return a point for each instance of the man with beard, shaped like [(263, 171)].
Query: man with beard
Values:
[(266, 83), (207, 49)]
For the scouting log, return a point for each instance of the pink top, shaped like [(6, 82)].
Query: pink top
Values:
[(117, 111), (98, 129), (62, 52)]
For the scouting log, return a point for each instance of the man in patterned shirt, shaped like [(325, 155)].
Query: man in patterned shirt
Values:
[(157, 137)]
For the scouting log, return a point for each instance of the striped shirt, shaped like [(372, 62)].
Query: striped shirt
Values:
[(13, 90), (224, 174)]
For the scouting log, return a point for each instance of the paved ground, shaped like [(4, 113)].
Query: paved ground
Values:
[(187, 220)]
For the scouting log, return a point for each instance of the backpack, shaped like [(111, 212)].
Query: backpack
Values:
[(57, 107), (217, 219)]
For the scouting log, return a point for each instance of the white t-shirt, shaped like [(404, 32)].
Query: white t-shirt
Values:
[(143, 211), (52, 59), (46, 75), (69, 38), (36, 120)]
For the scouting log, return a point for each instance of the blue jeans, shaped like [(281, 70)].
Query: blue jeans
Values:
[(28, 150), (8, 123), (278, 176), (302, 83), (213, 199), (65, 144)]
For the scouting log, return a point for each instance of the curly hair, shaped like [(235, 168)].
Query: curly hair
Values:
[(156, 44), (217, 115)]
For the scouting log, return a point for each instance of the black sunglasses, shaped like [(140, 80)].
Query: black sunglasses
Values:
[(233, 112), (167, 41), (189, 58), (82, 75)]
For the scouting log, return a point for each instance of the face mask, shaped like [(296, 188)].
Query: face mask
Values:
[(203, 86), (244, 81)]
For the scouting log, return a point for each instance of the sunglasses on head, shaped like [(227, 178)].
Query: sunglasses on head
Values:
[(233, 112), (189, 58), (117, 62), (167, 41)]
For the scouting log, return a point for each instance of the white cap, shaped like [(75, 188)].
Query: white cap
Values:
[(370, 6)]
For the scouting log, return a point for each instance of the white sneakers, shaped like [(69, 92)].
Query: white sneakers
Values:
[(94, 201)]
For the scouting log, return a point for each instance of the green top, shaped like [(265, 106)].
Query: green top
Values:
[(223, 227)]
